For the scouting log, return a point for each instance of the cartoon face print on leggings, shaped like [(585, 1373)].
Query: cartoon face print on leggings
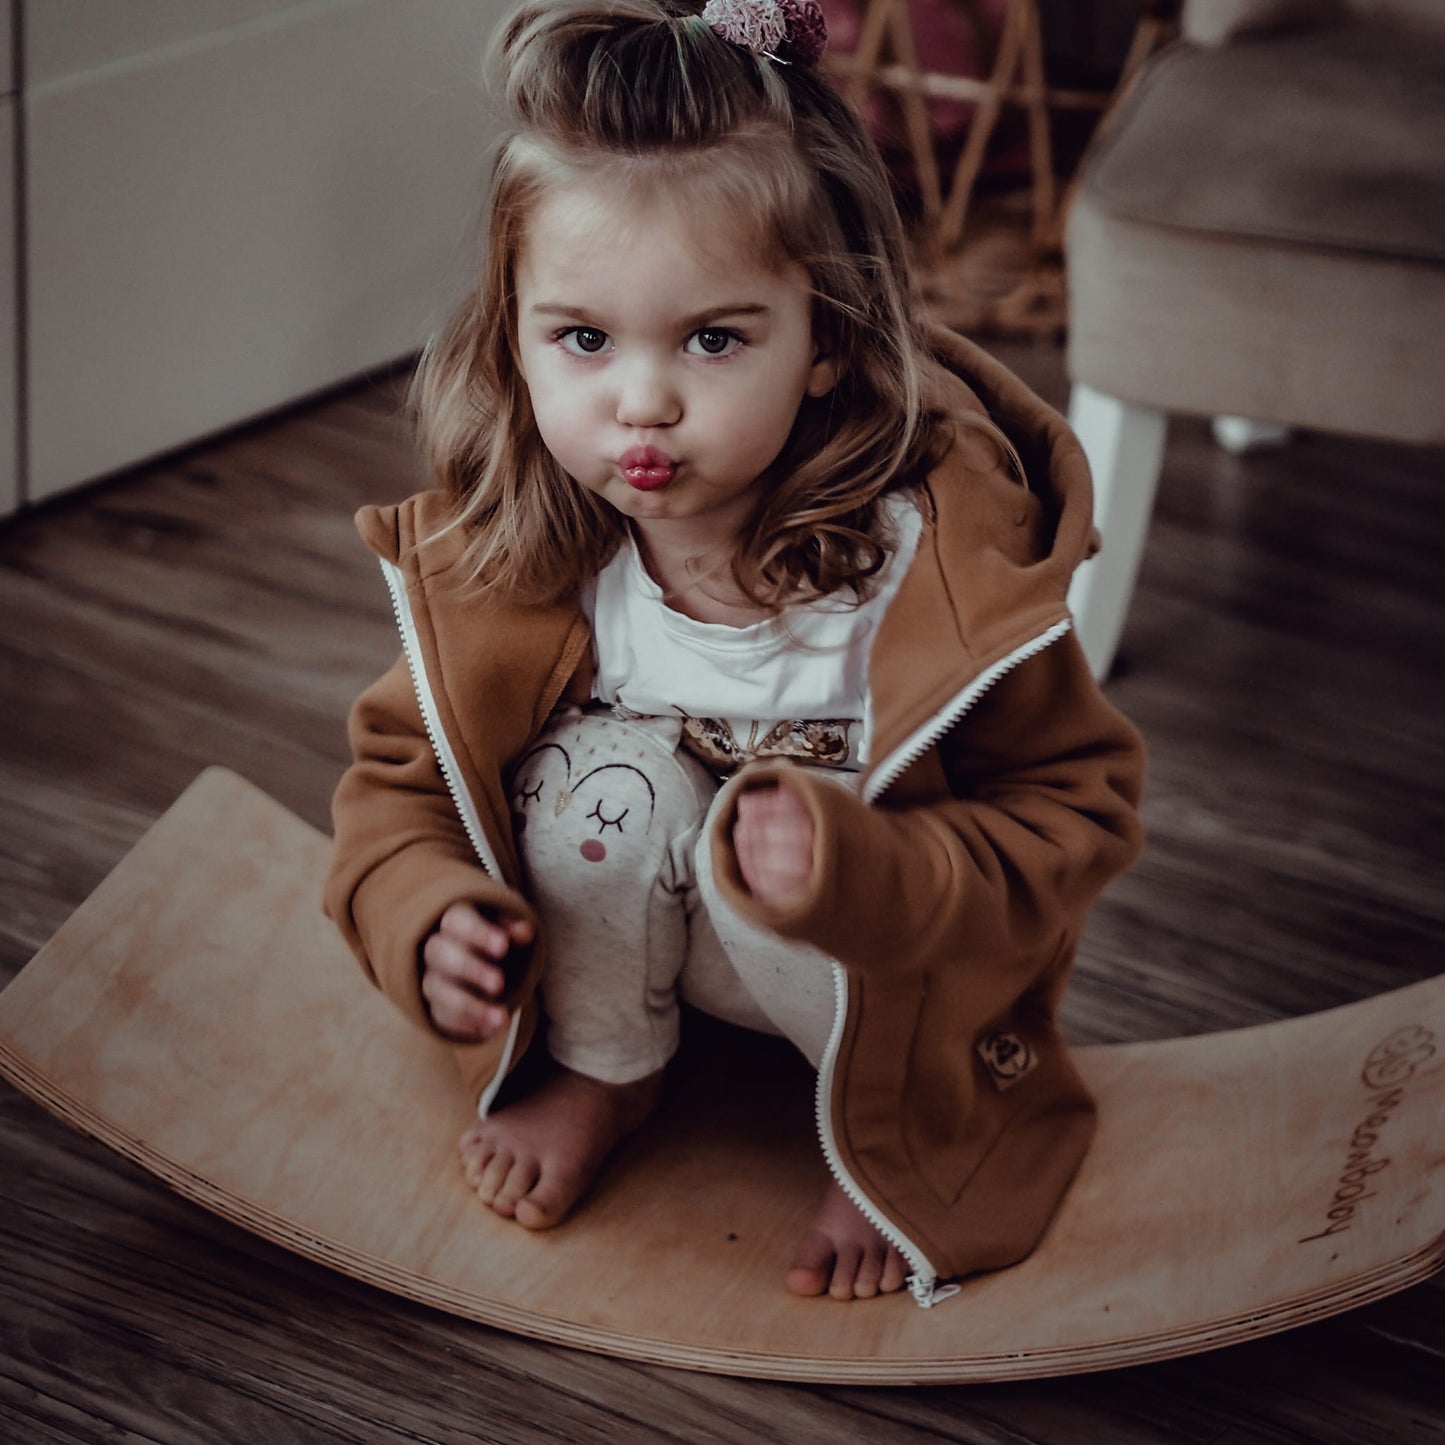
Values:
[(600, 807)]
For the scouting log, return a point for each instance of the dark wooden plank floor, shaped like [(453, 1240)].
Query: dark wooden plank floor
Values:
[(1282, 656)]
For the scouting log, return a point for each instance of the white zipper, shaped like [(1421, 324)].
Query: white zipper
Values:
[(452, 774), (918, 742), (923, 1280)]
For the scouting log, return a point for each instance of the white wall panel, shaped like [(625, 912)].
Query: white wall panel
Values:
[(7, 58), (70, 37), (227, 227), (9, 385)]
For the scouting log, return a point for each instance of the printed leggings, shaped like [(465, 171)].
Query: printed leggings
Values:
[(613, 819)]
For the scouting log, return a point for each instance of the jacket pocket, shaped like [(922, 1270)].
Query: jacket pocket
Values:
[(952, 1112)]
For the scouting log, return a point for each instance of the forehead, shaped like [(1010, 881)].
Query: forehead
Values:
[(587, 229)]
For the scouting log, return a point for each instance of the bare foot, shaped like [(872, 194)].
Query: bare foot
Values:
[(533, 1160), (843, 1256)]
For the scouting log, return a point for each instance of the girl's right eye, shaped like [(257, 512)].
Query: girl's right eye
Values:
[(714, 341), (583, 340)]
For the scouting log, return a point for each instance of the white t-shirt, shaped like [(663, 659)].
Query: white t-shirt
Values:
[(794, 686)]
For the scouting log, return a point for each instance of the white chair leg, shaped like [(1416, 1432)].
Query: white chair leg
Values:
[(1125, 447), (1241, 434)]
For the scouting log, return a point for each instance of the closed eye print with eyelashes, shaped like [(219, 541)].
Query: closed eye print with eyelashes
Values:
[(616, 799), (530, 774), (604, 822)]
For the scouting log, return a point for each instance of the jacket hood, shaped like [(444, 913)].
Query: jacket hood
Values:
[(989, 584), (393, 531), (1061, 533)]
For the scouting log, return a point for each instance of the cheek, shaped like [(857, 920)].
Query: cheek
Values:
[(561, 423), (762, 421), (593, 851)]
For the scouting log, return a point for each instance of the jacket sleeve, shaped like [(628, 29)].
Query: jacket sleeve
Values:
[(1043, 779), (401, 855)]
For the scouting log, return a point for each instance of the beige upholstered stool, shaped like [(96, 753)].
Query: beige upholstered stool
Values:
[(1259, 232)]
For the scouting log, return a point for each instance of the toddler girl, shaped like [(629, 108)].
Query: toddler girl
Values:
[(736, 666)]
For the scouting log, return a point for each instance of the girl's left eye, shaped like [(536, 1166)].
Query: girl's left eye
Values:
[(713, 341), (583, 340)]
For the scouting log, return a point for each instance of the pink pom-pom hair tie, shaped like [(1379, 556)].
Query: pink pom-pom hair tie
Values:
[(786, 30)]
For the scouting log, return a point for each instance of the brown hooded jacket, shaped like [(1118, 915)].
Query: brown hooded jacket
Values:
[(951, 891)]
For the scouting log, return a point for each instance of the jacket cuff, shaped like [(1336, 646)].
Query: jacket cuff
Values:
[(828, 803)]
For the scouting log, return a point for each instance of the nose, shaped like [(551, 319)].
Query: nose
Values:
[(646, 394)]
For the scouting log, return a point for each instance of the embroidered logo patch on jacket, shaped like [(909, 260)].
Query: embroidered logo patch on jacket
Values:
[(1007, 1058)]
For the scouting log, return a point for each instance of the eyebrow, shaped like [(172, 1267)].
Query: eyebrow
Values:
[(713, 313)]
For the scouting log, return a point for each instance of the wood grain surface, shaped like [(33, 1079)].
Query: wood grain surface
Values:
[(216, 608)]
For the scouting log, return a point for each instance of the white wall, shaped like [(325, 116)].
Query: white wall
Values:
[(233, 203), (70, 37)]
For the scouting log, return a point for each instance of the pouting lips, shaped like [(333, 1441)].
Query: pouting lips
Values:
[(646, 468)]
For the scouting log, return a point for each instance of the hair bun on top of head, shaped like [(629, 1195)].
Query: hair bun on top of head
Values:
[(787, 30)]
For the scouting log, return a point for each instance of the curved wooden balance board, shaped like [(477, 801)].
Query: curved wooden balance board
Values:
[(200, 1016)]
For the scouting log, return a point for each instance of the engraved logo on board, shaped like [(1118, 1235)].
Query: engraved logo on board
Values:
[(1395, 1060), (1388, 1069)]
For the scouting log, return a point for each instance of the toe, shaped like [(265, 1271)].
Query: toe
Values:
[(870, 1271), (492, 1175), (534, 1213), (845, 1271), (895, 1273), (476, 1153), (550, 1198), (519, 1178), (813, 1268), (472, 1143)]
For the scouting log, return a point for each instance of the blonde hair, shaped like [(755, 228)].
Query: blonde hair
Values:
[(644, 92)]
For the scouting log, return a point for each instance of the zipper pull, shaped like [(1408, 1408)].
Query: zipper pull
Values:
[(928, 1292)]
